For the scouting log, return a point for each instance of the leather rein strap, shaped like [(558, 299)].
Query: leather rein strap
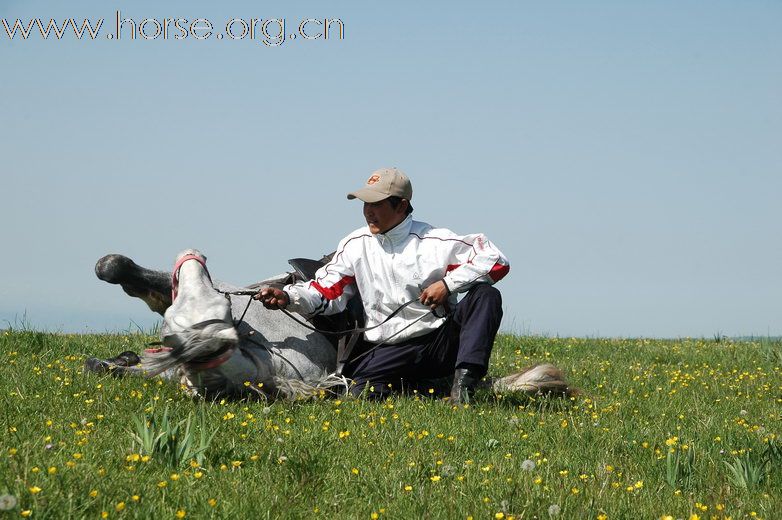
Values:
[(348, 338), (315, 329)]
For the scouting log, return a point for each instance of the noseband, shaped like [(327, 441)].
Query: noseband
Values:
[(175, 272)]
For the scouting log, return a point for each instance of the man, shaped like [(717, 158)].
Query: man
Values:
[(391, 261)]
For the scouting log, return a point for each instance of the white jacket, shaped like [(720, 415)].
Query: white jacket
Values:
[(390, 269)]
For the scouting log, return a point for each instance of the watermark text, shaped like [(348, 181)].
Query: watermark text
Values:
[(271, 32)]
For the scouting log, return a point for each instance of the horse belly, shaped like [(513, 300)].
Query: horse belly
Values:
[(295, 349)]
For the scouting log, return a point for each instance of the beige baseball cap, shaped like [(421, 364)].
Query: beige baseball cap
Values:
[(384, 183)]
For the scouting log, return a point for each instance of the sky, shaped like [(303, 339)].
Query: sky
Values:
[(625, 156)]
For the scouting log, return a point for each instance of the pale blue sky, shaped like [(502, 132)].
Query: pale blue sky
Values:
[(626, 156)]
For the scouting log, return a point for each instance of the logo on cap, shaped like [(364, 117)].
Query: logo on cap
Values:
[(373, 179)]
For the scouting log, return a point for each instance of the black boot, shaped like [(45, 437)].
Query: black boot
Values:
[(115, 366), (464, 383)]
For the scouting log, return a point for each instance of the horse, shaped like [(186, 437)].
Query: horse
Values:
[(220, 344)]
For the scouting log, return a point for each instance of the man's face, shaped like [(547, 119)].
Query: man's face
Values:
[(382, 216)]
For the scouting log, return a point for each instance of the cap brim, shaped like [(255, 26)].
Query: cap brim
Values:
[(367, 195)]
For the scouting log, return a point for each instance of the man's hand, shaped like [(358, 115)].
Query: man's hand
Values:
[(272, 298), (435, 295)]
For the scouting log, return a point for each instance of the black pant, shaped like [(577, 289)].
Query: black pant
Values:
[(465, 340)]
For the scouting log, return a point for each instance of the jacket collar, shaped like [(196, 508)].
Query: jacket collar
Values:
[(397, 233)]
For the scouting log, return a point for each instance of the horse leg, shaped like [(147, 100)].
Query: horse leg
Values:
[(153, 287)]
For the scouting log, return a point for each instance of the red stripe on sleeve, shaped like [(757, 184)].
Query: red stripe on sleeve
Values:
[(336, 290), (498, 272), (451, 267)]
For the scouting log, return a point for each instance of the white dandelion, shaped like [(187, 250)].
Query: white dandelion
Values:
[(528, 465), (7, 502)]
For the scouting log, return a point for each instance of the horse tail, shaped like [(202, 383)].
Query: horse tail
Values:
[(298, 389), (542, 378), (198, 344)]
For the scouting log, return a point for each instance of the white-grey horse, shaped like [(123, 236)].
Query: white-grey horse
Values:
[(228, 345)]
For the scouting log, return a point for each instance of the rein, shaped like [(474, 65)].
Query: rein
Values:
[(352, 334), (315, 329)]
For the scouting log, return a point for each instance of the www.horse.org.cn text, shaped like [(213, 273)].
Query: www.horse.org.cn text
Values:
[(271, 32)]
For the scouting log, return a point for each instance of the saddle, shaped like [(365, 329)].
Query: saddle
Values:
[(352, 317)]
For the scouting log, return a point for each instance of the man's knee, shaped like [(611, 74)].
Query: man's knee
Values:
[(486, 294)]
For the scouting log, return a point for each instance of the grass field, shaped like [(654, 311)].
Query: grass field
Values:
[(681, 429)]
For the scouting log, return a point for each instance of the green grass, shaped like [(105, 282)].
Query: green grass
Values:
[(674, 427)]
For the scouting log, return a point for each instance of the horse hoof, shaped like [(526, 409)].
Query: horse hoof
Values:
[(115, 268), (117, 366)]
